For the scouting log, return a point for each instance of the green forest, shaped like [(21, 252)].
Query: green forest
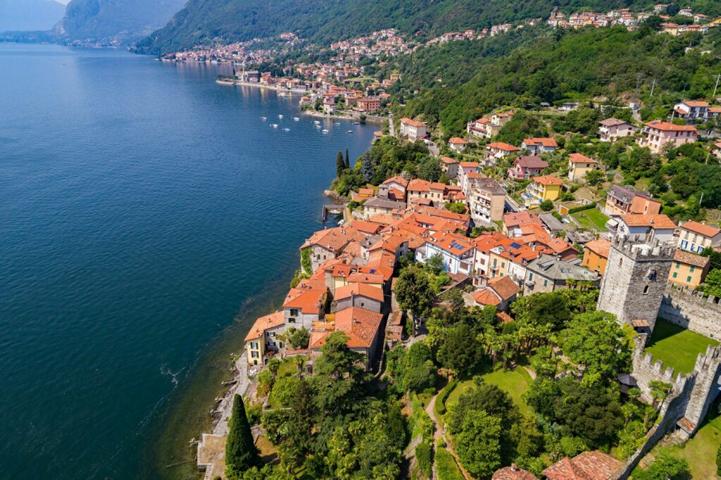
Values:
[(209, 21)]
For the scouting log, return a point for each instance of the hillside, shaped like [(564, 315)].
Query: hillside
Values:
[(29, 15), (115, 21), (206, 21), (553, 66)]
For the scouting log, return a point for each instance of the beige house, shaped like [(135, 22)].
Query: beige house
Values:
[(413, 130), (694, 237), (486, 201), (262, 337), (579, 165), (612, 129), (658, 135)]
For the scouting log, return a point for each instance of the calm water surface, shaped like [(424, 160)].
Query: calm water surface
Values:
[(141, 207)]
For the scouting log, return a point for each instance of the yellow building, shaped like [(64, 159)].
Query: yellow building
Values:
[(546, 187), (579, 165), (595, 255), (688, 269), (262, 337)]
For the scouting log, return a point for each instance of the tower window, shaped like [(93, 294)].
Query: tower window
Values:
[(645, 290)]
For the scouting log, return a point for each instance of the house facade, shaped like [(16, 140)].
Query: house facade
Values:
[(413, 130), (579, 165), (694, 237), (688, 269), (546, 187), (526, 167), (537, 146), (486, 200), (612, 129), (658, 135)]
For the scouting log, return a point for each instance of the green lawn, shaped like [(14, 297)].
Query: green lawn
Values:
[(677, 347), (514, 382), (446, 467), (591, 219), (700, 451)]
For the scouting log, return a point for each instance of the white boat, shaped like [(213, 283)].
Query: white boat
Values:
[(280, 116), (296, 119), (337, 123), (274, 125), (317, 126), (324, 131), (286, 129), (317, 122), (264, 118), (350, 131)]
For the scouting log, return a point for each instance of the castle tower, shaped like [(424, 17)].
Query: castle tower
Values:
[(635, 279)]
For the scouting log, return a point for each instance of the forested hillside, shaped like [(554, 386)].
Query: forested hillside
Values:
[(552, 66), (205, 21), (115, 21)]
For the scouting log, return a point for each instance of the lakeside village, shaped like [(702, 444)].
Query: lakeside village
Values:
[(488, 244), (530, 311), (344, 87)]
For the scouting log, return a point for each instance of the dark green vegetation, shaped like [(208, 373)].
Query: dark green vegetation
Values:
[(387, 157), (551, 66), (207, 21), (121, 21), (665, 467), (240, 451), (333, 424)]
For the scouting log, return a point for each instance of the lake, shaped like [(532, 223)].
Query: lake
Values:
[(147, 214)]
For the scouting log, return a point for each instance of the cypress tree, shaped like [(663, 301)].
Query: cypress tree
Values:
[(240, 451), (347, 159), (339, 164)]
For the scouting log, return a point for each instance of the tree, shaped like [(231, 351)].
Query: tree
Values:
[(478, 443), (712, 285), (594, 177), (347, 159), (240, 451), (298, 337), (338, 375), (546, 205), (596, 341), (543, 309), (339, 165), (659, 391), (458, 350), (413, 290), (665, 467)]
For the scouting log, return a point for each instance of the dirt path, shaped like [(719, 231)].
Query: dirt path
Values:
[(440, 434)]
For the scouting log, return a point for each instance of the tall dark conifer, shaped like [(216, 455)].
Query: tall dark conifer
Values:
[(240, 451), (339, 164), (347, 159)]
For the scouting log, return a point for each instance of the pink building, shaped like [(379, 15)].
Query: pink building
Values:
[(659, 134)]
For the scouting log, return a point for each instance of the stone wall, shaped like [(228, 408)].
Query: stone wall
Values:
[(646, 370), (693, 310)]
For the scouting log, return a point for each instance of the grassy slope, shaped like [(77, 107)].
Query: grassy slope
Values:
[(677, 347), (592, 219), (514, 382), (446, 466)]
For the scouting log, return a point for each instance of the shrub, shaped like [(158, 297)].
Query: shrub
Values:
[(424, 455), (546, 205)]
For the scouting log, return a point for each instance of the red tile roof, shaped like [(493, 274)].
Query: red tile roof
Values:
[(600, 247), (412, 123), (359, 289), (580, 158), (531, 161), (548, 180), (651, 221), (543, 141), (689, 258), (513, 473), (701, 228), (670, 127), (586, 466), (264, 323), (360, 325), (503, 146)]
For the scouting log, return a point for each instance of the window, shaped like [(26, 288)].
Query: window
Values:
[(291, 320), (293, 312), (545, 283), (620, 262), (645, 290), (691, 270), (254, 354), (688, 279), (530, 277), (675, 274)]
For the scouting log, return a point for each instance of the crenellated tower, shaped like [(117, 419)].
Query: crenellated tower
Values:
[(635, 279)]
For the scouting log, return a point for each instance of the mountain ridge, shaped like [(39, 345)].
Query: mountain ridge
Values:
[(210, 21)]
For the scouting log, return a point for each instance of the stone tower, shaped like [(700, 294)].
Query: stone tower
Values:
[(706, 387), (635, 279)]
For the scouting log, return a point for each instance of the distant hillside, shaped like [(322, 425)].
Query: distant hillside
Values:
[(115, 21), (205, 21), (29, 15)]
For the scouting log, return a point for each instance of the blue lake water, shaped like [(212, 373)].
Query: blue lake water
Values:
[(141, 206)]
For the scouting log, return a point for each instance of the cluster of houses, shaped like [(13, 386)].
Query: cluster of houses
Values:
[(631, 20), (238, 52)]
